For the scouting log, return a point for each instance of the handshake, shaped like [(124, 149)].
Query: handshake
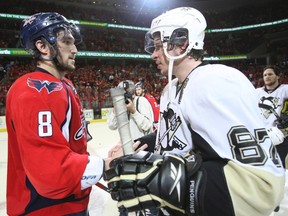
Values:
[(145, 180)]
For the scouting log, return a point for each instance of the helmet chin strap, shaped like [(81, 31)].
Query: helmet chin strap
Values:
[(171, 60)]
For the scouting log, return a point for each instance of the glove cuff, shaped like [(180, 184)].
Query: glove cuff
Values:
[(196, 181)]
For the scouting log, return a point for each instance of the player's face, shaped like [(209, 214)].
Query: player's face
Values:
[(66, 50), (159, 57), (139, 91), (269, 77)]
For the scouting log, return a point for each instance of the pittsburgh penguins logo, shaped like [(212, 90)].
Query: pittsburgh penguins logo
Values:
[(268, 105), (44, 84), (169, 139)]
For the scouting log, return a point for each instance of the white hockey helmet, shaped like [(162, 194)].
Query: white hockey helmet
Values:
[(174, 26)]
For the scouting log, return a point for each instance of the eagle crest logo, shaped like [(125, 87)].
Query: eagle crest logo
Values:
[(44, 84)]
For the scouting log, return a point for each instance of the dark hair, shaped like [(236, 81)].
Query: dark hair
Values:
[(197, 54), (140, 84), (275, 68)]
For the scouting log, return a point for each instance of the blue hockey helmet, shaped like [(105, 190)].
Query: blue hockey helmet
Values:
[(45, 25)]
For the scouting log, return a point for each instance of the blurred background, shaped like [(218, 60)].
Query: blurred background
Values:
[(244, 34)]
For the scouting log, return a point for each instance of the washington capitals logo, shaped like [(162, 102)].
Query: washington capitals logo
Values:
[(40, 84), (29, 20)]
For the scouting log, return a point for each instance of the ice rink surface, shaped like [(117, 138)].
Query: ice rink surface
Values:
[(100, 202)]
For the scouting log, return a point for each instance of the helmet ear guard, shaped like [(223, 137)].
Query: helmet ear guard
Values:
[(179, 37)]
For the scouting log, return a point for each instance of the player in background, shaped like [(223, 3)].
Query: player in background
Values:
[(140, 116), (139, 111), (140, 90), (216, 157), (49, 169), (273, 104)]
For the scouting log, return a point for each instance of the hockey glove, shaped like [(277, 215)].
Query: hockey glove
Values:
[(146, 180), (282, 123), (276, 135)]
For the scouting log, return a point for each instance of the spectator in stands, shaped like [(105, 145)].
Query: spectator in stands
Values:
[(2, 72)]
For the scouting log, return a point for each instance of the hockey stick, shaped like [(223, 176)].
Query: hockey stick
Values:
[(103, 187), (123, 125), (278, 118), (117, 95)]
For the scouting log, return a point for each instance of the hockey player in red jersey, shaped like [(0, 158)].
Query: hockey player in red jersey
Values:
[(213, 156), (141, 91), (49, 169)]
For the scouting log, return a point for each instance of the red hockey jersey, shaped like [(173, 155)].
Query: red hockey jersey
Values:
[(155, 106), (47, 148)]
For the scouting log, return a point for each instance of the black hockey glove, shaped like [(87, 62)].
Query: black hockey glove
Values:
[(147, 180), (282, 123)]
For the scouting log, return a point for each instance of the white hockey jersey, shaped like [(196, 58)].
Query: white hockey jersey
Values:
[(215, 113), (272, 103)]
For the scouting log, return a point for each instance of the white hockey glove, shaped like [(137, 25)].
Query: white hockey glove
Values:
[(276, 135), (147, 180)]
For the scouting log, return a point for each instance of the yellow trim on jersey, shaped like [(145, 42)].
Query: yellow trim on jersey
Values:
[(253, 191)]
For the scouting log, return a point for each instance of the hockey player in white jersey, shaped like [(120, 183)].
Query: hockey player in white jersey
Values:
[(273, 104), (213, 155)]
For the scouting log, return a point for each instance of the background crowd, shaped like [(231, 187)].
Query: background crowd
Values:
[(94, 77)]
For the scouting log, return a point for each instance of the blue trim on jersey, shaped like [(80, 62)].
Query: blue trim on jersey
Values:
[(38, 202)]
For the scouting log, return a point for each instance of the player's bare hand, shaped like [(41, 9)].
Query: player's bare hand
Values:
[(117, 151)]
